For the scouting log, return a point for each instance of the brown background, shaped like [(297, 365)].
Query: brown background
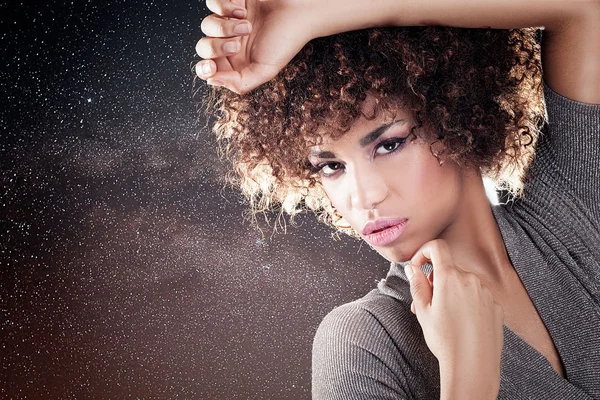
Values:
[(127, 271)]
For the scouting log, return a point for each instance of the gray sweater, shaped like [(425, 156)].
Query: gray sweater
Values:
[(373, 348)]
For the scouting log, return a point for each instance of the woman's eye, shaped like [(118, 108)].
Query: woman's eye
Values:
[(329, 169), (390, 146), (326, 169)]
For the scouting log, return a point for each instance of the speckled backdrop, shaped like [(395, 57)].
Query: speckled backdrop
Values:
[(127, 270)]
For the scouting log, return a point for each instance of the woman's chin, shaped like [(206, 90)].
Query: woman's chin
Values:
[(397, 254)]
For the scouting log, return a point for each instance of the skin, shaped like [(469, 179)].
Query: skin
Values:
[(450, 224), (440, 202), (448, 212), (279, 29)]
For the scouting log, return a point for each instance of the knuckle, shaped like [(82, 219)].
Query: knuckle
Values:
[(472, 278), (453, 274), (435, 245), (213, 5), (487, 294), (486, 291), (221, 30), (467, 279), (205, 48), (416, 288), (439, 249), (204, 24), (211, 50), (440, 244), (213, 25), (474, 281)]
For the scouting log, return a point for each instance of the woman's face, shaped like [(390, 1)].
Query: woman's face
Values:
[(375, 172)]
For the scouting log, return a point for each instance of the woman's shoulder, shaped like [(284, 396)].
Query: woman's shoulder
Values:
[(379, 323), (386, 309), (374, 342), (370, 313)]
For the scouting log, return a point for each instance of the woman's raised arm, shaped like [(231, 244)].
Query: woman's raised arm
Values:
[(280, 28)]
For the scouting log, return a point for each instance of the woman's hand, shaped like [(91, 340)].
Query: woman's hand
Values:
[(249, 41), (462, 325)]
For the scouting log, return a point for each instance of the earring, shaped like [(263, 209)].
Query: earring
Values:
[(435, 154)]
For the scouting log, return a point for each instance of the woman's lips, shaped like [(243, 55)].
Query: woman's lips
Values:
[(387, 235)]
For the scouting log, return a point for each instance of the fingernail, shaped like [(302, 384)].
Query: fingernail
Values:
[(205, 68), (408, 271), (239, 13), (231, 47), (242, 29)]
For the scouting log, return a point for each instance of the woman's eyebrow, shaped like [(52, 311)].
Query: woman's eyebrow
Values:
[(321, 154), (365, 141), (374, 135)]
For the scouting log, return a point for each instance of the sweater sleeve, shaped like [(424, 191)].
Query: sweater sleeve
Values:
[(568, 151), (354, 358)]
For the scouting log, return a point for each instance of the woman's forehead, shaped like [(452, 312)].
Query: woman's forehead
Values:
[(366, 123)]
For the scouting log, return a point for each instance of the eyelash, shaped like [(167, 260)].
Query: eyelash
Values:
[(319, 167)]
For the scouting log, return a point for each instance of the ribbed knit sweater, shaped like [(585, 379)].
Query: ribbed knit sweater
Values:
[(373, 348)]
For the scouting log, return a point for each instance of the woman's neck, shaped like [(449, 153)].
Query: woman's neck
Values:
[(474, 237)]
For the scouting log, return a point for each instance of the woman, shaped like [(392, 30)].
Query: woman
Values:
[(386, 133)]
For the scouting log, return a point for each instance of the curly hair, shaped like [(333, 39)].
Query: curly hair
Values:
[(478, 91)]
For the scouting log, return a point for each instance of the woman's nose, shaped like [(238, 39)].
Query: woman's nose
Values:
[(368, 190)]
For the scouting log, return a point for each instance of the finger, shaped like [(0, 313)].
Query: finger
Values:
[(217, 26), (224, 74), (206, 69), (213, 70), (215, 47), (437, 252), (420, 289), (227, 8), (430, 277), (412, 307), (240, 82), (229, 80)]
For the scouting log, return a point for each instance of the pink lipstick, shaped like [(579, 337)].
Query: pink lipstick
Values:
[(384, 232)]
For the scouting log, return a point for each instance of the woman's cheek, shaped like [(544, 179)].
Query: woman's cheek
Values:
[(336, 195), (422, 179)]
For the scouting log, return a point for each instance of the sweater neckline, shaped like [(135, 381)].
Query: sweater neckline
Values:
[(546, 283)]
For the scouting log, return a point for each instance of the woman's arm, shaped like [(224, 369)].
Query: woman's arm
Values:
[(279, 29), (571, 46)]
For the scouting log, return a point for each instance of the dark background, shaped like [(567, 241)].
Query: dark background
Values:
[(127, 270)]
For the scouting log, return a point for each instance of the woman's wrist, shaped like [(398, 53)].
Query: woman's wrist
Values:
[(457, 383)]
